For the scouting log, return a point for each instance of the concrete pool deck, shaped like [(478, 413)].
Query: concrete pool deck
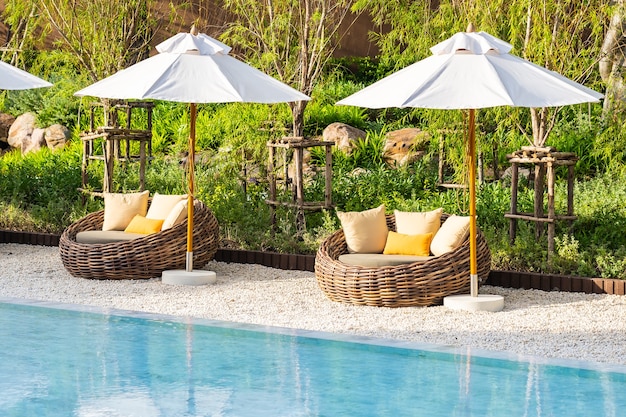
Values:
[(588, 327)]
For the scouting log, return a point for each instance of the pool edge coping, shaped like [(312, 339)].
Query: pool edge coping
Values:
[(330, 336)]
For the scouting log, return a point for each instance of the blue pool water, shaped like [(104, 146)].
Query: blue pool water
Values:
[(76, 361)]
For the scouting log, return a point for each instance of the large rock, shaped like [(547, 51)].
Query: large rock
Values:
[(405, 145), (6, 120), (343, 135), (56, 136), (21, 129), (33, 142)]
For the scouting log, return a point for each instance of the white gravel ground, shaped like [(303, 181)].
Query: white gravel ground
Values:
[(547, 324)]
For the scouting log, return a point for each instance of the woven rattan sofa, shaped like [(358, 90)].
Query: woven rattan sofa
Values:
[(141, 258), (421, 283)]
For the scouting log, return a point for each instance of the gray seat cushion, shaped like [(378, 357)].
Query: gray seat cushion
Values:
[(378, 259), (108, 236)]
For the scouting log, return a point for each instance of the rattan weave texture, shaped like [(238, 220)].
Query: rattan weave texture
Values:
[(142, 258), (416, 284)]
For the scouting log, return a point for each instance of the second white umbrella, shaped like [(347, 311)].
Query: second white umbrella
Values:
[(472, 70)]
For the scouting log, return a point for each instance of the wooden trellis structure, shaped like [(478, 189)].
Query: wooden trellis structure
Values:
[(545, 160), (115, 144), (296, 184)]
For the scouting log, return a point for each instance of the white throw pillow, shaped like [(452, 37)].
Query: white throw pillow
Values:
[(177, 215), (162, 205), (451, 235)]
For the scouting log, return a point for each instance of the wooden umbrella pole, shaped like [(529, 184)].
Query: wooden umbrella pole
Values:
[(471, 150), (191, 159)]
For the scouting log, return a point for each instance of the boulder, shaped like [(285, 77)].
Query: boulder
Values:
[(33, 142), (56, 136), (21, 129), (343, 135), (521, 173), (404, 146), (199, 158), (6, 120)]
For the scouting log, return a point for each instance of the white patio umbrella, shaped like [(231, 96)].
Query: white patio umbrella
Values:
[(13, 78), (472, 70), (193, 68)]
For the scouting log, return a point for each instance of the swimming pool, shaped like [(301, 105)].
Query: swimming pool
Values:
[(60, 360)]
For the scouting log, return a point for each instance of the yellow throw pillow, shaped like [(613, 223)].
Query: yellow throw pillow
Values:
[(176, 215), (451, 235), (418, 223), (162, 205), (144, 225), (401, 244), (365, 231), (120, 208)]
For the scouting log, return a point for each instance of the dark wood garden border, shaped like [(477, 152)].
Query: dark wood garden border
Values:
[(507, 279)]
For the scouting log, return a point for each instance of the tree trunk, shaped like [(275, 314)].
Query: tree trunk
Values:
[(297, 113), (612, 60), (539, 126)]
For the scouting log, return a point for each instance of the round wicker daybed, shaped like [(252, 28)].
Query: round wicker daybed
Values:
[(141, 258), (421, 283)]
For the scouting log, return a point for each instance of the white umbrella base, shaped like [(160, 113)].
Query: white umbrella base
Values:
[(182, 277), (482, 302)]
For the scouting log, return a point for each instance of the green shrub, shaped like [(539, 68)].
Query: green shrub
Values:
[(43, 184)]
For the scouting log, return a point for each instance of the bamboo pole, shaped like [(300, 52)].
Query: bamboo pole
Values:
[(514, 190), (551, 209), (191, 159), (471, 150)]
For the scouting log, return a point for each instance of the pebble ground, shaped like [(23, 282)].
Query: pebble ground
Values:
[(588, 327)]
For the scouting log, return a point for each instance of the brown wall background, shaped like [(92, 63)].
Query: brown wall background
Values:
[(212, 20)]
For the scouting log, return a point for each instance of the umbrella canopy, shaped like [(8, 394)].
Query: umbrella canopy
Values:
[(12, 78), (193, 68), (472, 70)]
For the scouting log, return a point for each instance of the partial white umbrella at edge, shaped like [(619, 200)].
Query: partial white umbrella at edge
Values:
[(13, 78)]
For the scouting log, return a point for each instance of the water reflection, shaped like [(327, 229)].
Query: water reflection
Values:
[(105, 365)]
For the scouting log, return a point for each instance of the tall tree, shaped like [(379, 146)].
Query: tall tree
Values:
[(613, 58), (293, 39), (104, 35), (22, 20)]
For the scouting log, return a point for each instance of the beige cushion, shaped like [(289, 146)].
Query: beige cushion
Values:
[(365, 231), (176, 215), (450, 235), (418, 223), (109, 236), (376, 260), (120, 208), (162, 205)]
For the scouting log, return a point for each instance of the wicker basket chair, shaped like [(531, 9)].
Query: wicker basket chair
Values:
[(141, 258), (421, 283)]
